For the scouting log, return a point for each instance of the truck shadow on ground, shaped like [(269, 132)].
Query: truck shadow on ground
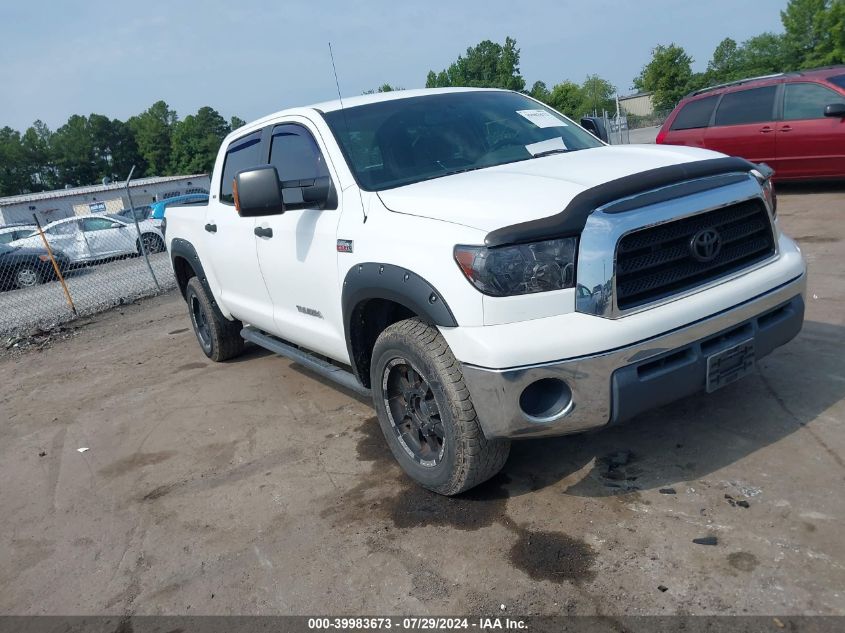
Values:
[(684, 442), (690, 439)]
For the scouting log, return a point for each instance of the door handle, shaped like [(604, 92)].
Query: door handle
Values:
[(211, 228), (786, 128), (766, 129), (262, 232)]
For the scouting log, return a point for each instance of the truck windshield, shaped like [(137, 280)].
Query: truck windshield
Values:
[(403, 141)]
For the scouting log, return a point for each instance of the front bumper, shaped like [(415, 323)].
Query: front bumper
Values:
[(618, 384)]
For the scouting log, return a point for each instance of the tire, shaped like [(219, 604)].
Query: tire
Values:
[(153, 243), (28, 276), (436, 438), (219, 338)]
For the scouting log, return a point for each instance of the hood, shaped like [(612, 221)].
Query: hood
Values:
[(493, 197)]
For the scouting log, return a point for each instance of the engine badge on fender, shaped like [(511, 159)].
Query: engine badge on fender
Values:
[(344, 246)]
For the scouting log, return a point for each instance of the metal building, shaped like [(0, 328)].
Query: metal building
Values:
[(640, 104), (108, 198)]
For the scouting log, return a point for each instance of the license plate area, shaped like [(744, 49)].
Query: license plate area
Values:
[(729, 365)]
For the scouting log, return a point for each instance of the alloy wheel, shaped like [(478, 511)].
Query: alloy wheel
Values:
[(413, 412)]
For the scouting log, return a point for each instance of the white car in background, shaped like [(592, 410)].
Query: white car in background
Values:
[(96, 237), (12, 232)]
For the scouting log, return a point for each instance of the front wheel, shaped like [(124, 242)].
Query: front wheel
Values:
[(426, 412), (28, 276)]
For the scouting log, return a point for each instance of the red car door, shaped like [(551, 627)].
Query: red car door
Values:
[(744, 124), (809, 144)]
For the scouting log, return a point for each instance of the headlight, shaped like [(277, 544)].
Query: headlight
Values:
[(521, 269), (764, 174)]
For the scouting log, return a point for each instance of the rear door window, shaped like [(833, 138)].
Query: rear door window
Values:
[(241, 154), (695, 114), (755, 105), (837, 80), (807, 101), (65, 228), (99, 224)]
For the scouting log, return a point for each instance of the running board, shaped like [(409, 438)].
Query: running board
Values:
[(331, 372)]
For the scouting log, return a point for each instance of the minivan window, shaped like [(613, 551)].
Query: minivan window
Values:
[(746, 106), (695, 114), (241, 154), (807, 101), (837, 80)]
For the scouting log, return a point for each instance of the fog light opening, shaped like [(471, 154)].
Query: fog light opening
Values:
[(546, 400)]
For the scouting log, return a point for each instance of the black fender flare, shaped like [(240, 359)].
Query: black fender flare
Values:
[(372, 280), (183, 249)]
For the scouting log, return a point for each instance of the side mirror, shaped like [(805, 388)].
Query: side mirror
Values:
[(835, 110), (318, 192), (257, 191), (595, 127)]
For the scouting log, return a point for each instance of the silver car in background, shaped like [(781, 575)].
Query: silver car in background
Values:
[(96, 237)]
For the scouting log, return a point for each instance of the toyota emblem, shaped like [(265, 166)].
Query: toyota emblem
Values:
[(706, 245)]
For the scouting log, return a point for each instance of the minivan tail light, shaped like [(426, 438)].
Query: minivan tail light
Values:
[(661, 135)]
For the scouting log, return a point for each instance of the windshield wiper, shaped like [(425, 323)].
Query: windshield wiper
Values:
[(549, 152)]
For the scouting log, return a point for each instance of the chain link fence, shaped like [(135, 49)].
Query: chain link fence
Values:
[(77, 266)]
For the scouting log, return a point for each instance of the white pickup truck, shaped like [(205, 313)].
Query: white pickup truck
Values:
[(485, 268)]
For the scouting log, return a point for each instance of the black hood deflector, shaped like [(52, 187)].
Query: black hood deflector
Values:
[(571, 221)]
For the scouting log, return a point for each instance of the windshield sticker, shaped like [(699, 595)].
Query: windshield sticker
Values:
[(541, 118), (549, 145)]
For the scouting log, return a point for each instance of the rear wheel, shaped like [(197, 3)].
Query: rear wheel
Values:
[(426, 412), (28, 276), (219, 338), (152, 243)]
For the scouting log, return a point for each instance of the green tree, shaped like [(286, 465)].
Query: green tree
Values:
[(235, 122), (598, 95), (567, 97), (13, 176), (762, 55), (77, 158), (153, 130), (385, 87), (667, 75), (196, 140), (38, 153), (831, 50), (486, 65), (725, 65), (124, 151), (815, 36), (803, 30), (540, 92)]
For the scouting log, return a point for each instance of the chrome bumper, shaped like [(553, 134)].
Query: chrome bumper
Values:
[(607, 387)]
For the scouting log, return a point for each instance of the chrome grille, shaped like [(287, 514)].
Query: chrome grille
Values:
[(656, 262)]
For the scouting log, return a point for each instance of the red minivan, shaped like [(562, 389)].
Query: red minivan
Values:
[(794, 122)]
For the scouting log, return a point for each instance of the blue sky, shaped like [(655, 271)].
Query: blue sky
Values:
[(252, 58)]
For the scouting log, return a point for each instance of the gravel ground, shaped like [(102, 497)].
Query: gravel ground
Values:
[(253, 487), (93, 289)]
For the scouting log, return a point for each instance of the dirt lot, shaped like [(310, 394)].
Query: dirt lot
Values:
[(253, 487)]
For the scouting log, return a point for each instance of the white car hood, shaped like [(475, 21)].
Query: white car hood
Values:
[(490, 198)]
